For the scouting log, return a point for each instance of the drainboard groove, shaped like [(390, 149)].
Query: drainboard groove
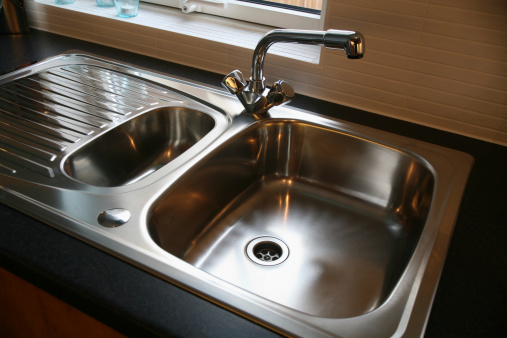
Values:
[(27, 148), (39, 129), (88, 94), (18, 94), (45, 117), (83, 87), (19, 135), (76, 100), (121, 81), (44, 113), (97, 88), (14, 162)]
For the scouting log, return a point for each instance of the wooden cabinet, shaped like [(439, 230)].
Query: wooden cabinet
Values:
[(27, 311)]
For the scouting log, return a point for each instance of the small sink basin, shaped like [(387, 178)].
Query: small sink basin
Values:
[(316, 220), (138, 147)]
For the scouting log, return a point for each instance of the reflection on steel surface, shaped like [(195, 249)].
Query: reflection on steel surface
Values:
[(359, 219)]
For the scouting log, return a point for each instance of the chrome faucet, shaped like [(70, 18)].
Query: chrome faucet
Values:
[(253, 94)]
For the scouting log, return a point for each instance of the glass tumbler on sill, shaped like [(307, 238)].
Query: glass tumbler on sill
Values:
[(64, 2), (127, 8), (105, 3)]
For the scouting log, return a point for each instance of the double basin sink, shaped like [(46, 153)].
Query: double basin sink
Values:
[(303, 223)]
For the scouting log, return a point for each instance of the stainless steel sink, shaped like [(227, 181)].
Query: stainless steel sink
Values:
[(303, 223), (348, 211), (138, 147)]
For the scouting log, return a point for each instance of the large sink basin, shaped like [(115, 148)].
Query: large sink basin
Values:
[(303, 223), (337, 216)]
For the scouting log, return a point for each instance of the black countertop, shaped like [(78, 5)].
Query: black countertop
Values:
[(470, 300)]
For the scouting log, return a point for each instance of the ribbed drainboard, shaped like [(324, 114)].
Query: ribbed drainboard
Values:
[(40, 115)]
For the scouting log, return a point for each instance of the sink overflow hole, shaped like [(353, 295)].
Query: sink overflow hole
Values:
[(267, 251)]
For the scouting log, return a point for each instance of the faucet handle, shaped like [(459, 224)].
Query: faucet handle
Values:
[(234, 82), (280, 93)]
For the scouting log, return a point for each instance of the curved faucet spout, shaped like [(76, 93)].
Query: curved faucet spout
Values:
[(350, 41), (252, 93)]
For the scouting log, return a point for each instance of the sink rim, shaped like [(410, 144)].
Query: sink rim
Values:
[(410, 305), (262, 174), (182, 97), (165, 111)]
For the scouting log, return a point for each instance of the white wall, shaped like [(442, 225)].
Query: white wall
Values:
[(440, 63)]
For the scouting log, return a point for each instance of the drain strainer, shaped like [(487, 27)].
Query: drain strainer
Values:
[(267, 251)]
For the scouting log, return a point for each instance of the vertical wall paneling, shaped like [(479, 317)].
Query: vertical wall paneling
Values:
[(446, 58), (441, 63)]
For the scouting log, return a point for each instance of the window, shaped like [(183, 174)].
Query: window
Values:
[(309, 6), (297, 14)]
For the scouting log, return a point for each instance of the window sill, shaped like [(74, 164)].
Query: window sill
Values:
[(152, 22)]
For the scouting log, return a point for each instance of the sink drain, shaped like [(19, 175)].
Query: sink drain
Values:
[(267, 251)]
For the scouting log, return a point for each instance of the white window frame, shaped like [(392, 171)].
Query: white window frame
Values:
[(264, 15)]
